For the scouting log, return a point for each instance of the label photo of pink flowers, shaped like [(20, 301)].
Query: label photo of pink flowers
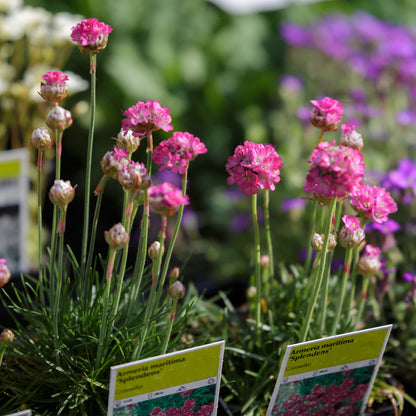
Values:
[(336, 394)]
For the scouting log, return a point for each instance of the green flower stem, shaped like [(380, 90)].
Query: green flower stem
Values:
[(2, 350), (149, 152), (174, 236), (362, 301), (345, 278), (58, 152), (257, 269), (311, 233), (104, 317), (321, 270), (170, 326), (40, 245), (93, 65), (324, 299), (140, 257), (353, 277), (269, 240)]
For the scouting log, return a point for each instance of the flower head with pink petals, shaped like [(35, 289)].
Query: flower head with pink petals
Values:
[(176, 152), (147, 116), (350, 137), (326, 114), (53, 88), (254, 166), (370, 262), (351, 234), (372, 203), (91, 35), (166, 199), (336, 170)]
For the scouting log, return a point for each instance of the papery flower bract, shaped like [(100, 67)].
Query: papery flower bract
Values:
[(4, 273), (350, 137), (91, 35), (133, 176), (336, 170), (372, 203), (41, 139), (176, 152), (166, 199), (147, 116), (326, 114), (370, 262), (117, 237), (54, 88), (61, 193), (254, 166)]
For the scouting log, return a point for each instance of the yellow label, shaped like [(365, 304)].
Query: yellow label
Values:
[(166, 372), (335, 351), (9, 169)]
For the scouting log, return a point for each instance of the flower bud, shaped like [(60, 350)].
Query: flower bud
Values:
[(4, 273), (370, 262), (128, 141), (41, 139), (154, 249), (117, 237), (176, 290), (265, 261), (351, 238), (61, 193), (112, 162), (317, 242), (174, 274), (350, 137), (6, 336), (59, 118), (251, 292)]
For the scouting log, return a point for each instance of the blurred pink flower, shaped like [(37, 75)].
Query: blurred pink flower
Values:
[(254, 166), (91, 35), (146, 116), (176, 152), (372, 203), (326, 114), (4, 273), (370, 261), (335, 172), (350, 137), (166, 199)]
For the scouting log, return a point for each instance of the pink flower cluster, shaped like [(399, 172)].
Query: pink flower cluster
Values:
[(335, 172), (91, 35), (147, 116), (185, 410), (351, 234), (54, 89), (254, 166), (176, 152), (334, 400), (166, 199), (326, 114), (372, 203)]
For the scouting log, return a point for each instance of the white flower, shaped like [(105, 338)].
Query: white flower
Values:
[(7, 6)]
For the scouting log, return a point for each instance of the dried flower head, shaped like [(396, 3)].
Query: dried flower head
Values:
[(254, 166), (147, 116), (117, 237), (166, 199), (91, 35), (53, 88), (335, 172), (41, 139), (176, 152), (326, 114), (372, 203), (350, 137), (4, 273)]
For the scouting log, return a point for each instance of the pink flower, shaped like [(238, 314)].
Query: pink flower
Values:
[(351, 234), (190, 403), (372, 203), (113, 162), (4, 273), (166, 199), (254, 166), (148, 116), (176, 152), (350, 137), (54, 89), (326, 114), (133, 176), (335, 172), (157, 412), (370, 262), (91, 35)]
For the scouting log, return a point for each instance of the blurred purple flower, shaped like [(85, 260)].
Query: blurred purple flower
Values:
[(292, 203), (406, 117), (385, 228), (291, 82), (403, 178), (295, 34)]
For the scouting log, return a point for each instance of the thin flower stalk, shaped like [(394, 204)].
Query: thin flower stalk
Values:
[(268, 238), (320, 274), (257, 267), (325, 292), (93, 66), (362, 300), (170, 326), (39, 199)]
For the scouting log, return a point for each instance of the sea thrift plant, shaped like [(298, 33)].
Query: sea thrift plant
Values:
[(54, 88), (166, 199), (327, 114), (91, 35)]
